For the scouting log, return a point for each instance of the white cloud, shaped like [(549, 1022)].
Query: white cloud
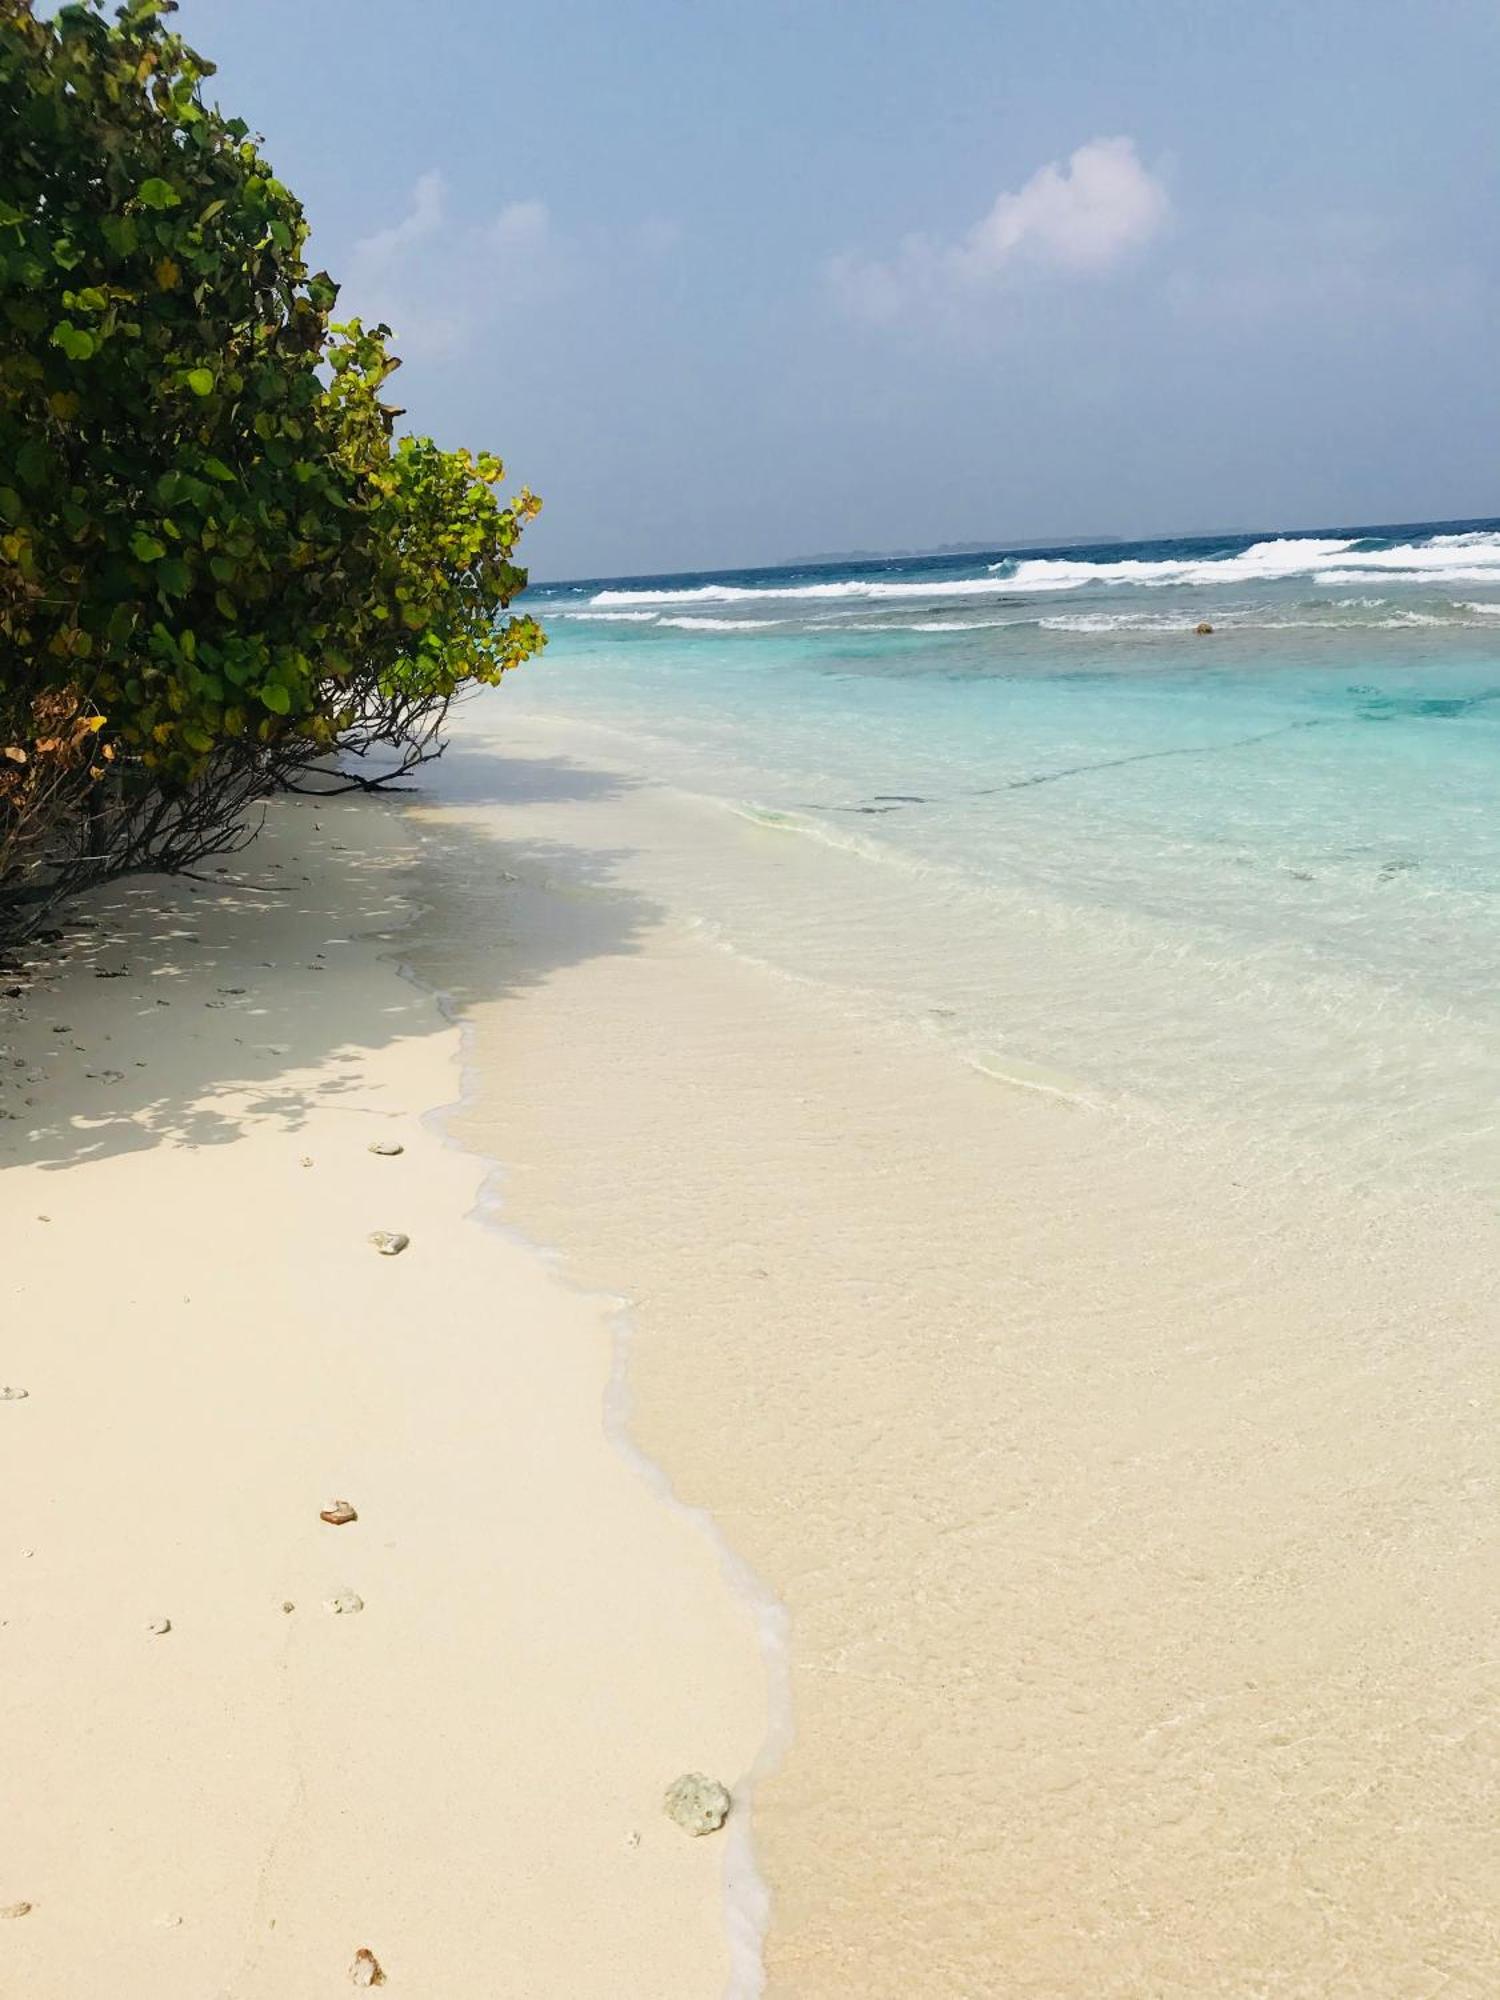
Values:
[(424, 219), (436, 280), (521, 225), (1082, 216)]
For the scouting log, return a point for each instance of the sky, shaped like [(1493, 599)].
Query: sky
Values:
[(731, 284)]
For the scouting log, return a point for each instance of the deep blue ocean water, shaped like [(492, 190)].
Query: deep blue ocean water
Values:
[(1252, 870)]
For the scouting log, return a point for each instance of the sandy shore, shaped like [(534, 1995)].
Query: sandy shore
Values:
[(1131, 1493), (464, 1776)]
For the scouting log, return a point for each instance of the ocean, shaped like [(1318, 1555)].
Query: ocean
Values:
[(1247, 874)]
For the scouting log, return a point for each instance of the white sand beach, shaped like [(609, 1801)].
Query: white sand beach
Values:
[(465, 1776), (1132, 1512)]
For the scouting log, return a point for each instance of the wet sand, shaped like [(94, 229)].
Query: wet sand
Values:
[(465, 1775), (1132, 1497)]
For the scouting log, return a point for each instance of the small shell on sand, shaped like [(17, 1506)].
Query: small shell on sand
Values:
[(365, 1970), (386, 1148), (9, 1395), (287, 1604), (338, 1513), (15, 1909), (168, 1921), (345, 1604), (389, 1242), (696, 1804), (160, 1626)]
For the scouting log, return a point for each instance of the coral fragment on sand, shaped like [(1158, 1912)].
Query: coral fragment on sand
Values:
[(697, 1804)]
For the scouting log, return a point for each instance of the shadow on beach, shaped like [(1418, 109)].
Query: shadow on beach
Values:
[(183, 1012)]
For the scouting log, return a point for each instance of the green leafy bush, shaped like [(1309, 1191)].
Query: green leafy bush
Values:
[(216, 565)]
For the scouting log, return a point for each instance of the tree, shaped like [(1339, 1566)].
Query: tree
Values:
[(218, 568)]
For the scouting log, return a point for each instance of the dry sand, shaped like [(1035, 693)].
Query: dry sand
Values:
[(465, 1776)]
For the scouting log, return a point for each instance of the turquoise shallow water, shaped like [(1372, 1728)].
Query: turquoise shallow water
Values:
[(1245, 876)]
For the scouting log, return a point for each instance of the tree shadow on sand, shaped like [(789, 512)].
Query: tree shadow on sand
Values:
[(184, 1013)]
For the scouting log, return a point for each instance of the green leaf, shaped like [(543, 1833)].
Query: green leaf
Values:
[(146, 548), (200, 381), (217, 469), (276, 698), (157, 193), (73, 341), (173, 576), (34, 462)]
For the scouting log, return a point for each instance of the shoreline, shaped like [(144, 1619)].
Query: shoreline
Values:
[(1120, 1487), (212, 1352), (746, 1895)]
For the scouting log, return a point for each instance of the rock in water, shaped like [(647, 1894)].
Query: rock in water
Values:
[(697, 1804), (345, 1604), (1204, 629), (365, 1970), (389, 1242), (386, 1148), (338, 1514)]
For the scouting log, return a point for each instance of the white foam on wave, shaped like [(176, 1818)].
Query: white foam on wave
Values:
[(1484, 610), (1262, 562), (1290, 556), (1117, 621), (946, 625), (1475, 573), (611, 617), (720, 624), (852, 587), (1472, 557)]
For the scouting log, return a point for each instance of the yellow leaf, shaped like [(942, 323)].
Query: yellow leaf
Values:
[(168, 271)]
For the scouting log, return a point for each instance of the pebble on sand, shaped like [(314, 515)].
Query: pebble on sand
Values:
[(344, 1604), (9, 1395), (389, 1242), (386, 1148), (338, 1514), (160, 1626), (365, 1970), (15, 1909), (696, 1804)]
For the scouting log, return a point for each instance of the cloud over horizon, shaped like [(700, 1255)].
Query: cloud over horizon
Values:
[(1084, 215)]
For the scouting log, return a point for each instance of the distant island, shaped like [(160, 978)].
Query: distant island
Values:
[(951, 549)]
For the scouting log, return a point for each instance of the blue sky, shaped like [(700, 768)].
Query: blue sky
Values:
[(732, 284)]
